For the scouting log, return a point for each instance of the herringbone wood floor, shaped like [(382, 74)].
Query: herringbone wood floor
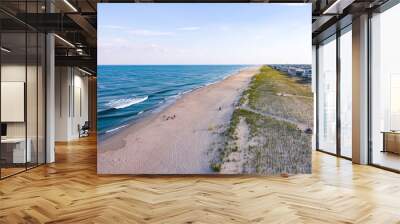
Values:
[(69, 191)]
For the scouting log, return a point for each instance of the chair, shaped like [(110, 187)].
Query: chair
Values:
[(84, 130)]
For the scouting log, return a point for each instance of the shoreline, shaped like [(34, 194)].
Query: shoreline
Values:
[(187, 124), (102, 136)]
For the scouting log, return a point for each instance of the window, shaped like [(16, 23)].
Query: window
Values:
[(385, 89), (346, 93), (327, 96)]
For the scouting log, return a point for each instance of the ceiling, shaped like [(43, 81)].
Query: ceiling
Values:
[(75, 21)]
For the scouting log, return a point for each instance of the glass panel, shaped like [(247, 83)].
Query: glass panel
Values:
[(41, 98), (385, 95), (31, 88), (327, 97), (13, 86), (23, 90), (346, 94), (31, 98)]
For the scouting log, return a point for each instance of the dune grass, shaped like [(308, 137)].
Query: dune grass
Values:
[(273, 146), (278, 94)]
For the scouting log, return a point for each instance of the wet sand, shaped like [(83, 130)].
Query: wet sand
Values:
[(177, 139)]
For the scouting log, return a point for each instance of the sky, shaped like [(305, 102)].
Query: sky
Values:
[(229, 33)]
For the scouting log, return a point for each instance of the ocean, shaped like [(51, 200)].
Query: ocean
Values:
[(126, 93)]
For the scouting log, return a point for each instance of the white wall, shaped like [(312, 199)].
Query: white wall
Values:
[(70, 84), (17, 72), (80, 111), (14, 72), (33, 126), (62, 82)]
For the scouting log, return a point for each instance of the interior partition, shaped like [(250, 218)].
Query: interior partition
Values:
[(15, 152), (22, 77)]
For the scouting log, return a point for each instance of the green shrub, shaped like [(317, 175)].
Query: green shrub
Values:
[(216, 167)]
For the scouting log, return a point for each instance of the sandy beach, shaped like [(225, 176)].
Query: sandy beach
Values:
[(177, 139)]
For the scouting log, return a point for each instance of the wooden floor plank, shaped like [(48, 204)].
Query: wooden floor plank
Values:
[(70, 191)]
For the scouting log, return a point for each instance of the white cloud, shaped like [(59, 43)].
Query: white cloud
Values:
[(109, 43), (150, 33), (138, 32), (125, 51), (113, 27), (157, 48), (258, 37), (225, 28), (117, 44), (189, 28)]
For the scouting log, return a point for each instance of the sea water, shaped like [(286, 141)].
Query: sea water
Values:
[(126, 93)]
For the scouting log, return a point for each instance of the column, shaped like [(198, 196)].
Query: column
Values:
[(360, 90)]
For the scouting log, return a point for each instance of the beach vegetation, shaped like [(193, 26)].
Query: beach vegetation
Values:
[(275, 108), (278, 94), (216, 167)]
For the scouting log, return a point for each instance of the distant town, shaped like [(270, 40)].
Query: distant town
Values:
[(301, 70)]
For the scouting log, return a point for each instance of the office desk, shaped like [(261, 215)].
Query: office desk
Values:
[(19, 155)]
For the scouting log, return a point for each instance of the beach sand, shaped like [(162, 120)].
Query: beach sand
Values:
[(177, 139)]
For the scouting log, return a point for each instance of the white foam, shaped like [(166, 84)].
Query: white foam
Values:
[(123, 103), (115, 129)]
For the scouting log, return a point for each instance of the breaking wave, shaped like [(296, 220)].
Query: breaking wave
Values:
[(123, 103)]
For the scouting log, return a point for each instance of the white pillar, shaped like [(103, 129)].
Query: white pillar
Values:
[(360, 90), (50, 99)]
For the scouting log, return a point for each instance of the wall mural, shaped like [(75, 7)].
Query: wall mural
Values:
[(204, 89)]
